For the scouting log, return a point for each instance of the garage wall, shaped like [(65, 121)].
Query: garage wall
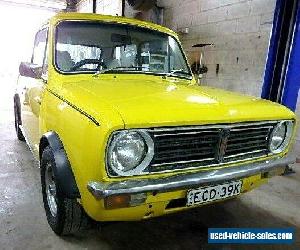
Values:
[(240, 31), (109, 7), (85, 6), (105, 7)]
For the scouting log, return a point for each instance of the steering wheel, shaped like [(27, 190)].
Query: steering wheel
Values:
[(88, 61)]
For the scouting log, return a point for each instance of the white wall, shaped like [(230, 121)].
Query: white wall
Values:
[(85, 6), (240, 30), (109, 7), (105, 7), (16, 45), (17, 35)]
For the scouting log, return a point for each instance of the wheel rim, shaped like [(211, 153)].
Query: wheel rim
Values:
[(51, 190)]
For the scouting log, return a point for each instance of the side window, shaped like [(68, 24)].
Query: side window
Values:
[(177, 61), (39, 48)]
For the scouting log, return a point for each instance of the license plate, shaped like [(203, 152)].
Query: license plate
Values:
[(213, 193)]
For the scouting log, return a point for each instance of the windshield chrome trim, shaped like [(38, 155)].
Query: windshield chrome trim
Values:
[(117, 23)]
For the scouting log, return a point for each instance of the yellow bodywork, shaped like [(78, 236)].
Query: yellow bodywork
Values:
[(118, 101)]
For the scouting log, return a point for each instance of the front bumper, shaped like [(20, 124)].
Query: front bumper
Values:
[(102, 190)]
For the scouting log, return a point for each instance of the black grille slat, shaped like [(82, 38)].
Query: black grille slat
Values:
[(187, 151), (185, 143), (184, 133), (190, 155), (245, 156), (185, 147), (248, 149), (253, 128), (185, 139), (249, 134), (241, 138), (246, 144)]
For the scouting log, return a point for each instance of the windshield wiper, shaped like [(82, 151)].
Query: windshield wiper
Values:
[(181, 71), (173, 73), (103, 71), (177, 72)]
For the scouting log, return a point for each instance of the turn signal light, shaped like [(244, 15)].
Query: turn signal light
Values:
[(118, 201), (124, 200)]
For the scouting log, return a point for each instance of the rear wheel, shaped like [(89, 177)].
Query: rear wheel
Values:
[(65, 216), (18, 123)]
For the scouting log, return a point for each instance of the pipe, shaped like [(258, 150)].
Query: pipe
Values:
[(123, 7), (94, 6)]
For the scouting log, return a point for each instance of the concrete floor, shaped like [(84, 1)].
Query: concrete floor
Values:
[(23, 224)]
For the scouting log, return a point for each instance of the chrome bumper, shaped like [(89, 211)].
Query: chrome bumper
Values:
[(102, 190)]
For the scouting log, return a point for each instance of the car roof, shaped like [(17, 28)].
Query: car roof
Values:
[(64, 16)]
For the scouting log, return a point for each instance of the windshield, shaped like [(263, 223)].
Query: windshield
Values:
[(95, 47)]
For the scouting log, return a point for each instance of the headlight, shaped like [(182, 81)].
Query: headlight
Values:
[(129, 152), (280, 137)]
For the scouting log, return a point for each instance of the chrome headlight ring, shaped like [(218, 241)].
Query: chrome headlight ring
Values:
[(281, 135), (113, 164)]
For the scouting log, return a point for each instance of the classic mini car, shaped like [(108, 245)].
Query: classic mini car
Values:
[(122, 131)]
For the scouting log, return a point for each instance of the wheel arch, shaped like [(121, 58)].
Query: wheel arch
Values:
[(62, 169)]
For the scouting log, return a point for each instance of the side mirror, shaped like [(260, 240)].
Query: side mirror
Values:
[(30, 70)]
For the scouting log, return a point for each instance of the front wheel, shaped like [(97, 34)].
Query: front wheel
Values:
[(65, 216)]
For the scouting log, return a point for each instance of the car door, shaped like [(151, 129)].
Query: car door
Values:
[(32, 92)]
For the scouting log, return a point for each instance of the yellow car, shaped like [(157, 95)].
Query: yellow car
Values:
[(110, 108)]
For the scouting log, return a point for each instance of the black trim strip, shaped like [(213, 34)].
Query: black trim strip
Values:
[(75, 107)]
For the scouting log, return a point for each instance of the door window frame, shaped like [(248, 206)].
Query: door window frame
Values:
[(46, 50)]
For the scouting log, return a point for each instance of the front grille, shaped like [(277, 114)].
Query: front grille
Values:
[(204, 146)]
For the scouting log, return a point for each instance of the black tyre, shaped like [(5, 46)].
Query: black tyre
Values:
[(17, 123), (65, 216)]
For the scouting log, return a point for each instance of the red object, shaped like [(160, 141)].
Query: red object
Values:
[(298, 160)]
